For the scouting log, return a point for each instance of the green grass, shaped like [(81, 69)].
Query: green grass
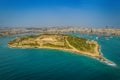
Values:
[(66, 45), (31, 44), (80, 44), (52, 45)]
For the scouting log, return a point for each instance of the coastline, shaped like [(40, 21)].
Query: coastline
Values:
[(101, 58), (107, 61), (65, 43)]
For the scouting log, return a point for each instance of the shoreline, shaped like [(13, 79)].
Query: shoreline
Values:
[(68, 44), (101, 58), (107, 61)]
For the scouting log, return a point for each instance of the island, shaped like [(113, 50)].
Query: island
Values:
[(61, 42)]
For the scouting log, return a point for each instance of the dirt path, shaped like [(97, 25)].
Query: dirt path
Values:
[(82, 52), (71, 45)]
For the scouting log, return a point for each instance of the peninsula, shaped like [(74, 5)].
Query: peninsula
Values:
[(61, 42)]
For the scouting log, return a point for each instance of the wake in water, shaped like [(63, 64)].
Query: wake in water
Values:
[(108, 62)]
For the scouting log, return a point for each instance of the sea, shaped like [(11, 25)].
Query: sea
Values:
[(48, 64)]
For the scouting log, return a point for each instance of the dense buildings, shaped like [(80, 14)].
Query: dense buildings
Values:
[(82, 30)]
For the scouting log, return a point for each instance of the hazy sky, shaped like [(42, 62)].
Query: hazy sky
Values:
[(40, 13)]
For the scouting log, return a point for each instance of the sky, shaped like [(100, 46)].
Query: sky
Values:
[(49, 13)]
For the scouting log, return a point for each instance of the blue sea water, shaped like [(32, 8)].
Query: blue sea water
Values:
[(46, 64)]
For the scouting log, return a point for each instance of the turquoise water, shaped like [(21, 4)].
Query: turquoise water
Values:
[(45, 64)]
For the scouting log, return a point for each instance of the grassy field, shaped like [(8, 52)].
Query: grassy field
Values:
[(81, 44), (55, 41), (60, 42)]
